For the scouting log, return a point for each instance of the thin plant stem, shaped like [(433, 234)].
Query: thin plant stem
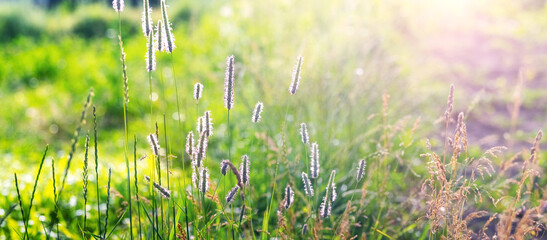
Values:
[(96, 169), (21, 207), (55, 197), (85, 178), (166, 169), (107, 201), (126, 139), (179, 121), (229, 158), (151, 100), (35, 184), (136, 185)]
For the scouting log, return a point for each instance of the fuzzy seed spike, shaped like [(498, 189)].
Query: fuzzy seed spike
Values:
[(146, 18), (190, 144), (162, 190), (330, 196), (231, 195), (304, 133), (296, 76), (229, 83), (308, 188), (151, 54), (208, 123), (333, 194), (449, 103), (256, 113), (325, 208), (161, 41), (200, 126), (361, 169), (170, 39), (289, 197), (244, 169), (201, 149), (203, 180), (124, 73), (154, 145), (198, 89), (224, 167), (314, 158), (194, 176), (118, 5)]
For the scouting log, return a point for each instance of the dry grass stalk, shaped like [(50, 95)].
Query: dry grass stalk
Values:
[(344, 231)]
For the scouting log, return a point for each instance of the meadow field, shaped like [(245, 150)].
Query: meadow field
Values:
[(309, 119)]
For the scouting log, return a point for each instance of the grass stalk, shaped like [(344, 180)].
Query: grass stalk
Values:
[(55, 210), (229, 158), (179, 121), (36, 184), (96, 170), (167, 172), (107, 201), (21, 207), (158, 170), (136, 185), (85, 180), (125, 98)]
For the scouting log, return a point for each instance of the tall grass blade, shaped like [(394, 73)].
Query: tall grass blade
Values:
[(136, 185), (25, 222), (95, 139), (85, 180), (107, 201), (36, 183)]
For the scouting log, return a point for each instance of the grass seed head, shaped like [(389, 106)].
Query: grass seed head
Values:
[(203, 180), (124, 72), (333, 194), (289, 197), (201, 150), (154, 144), (224, 167), (244, 169), (304, 133), (194, 175), (190, 144), (200, 125), (449, 103), (361, 169), (162, 190), (151, 54), (232, 195), (161, 41), (256, 113), (296, 76), (169, 38), (146, 18), (229, 83), (198, 89), (308, 188), (208, 123), (325, 208), (118, 5), (314, 158)]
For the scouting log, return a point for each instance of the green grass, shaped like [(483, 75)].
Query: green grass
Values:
[(370, 89)]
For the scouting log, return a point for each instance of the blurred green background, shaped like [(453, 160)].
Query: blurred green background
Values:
[(54, 52)]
